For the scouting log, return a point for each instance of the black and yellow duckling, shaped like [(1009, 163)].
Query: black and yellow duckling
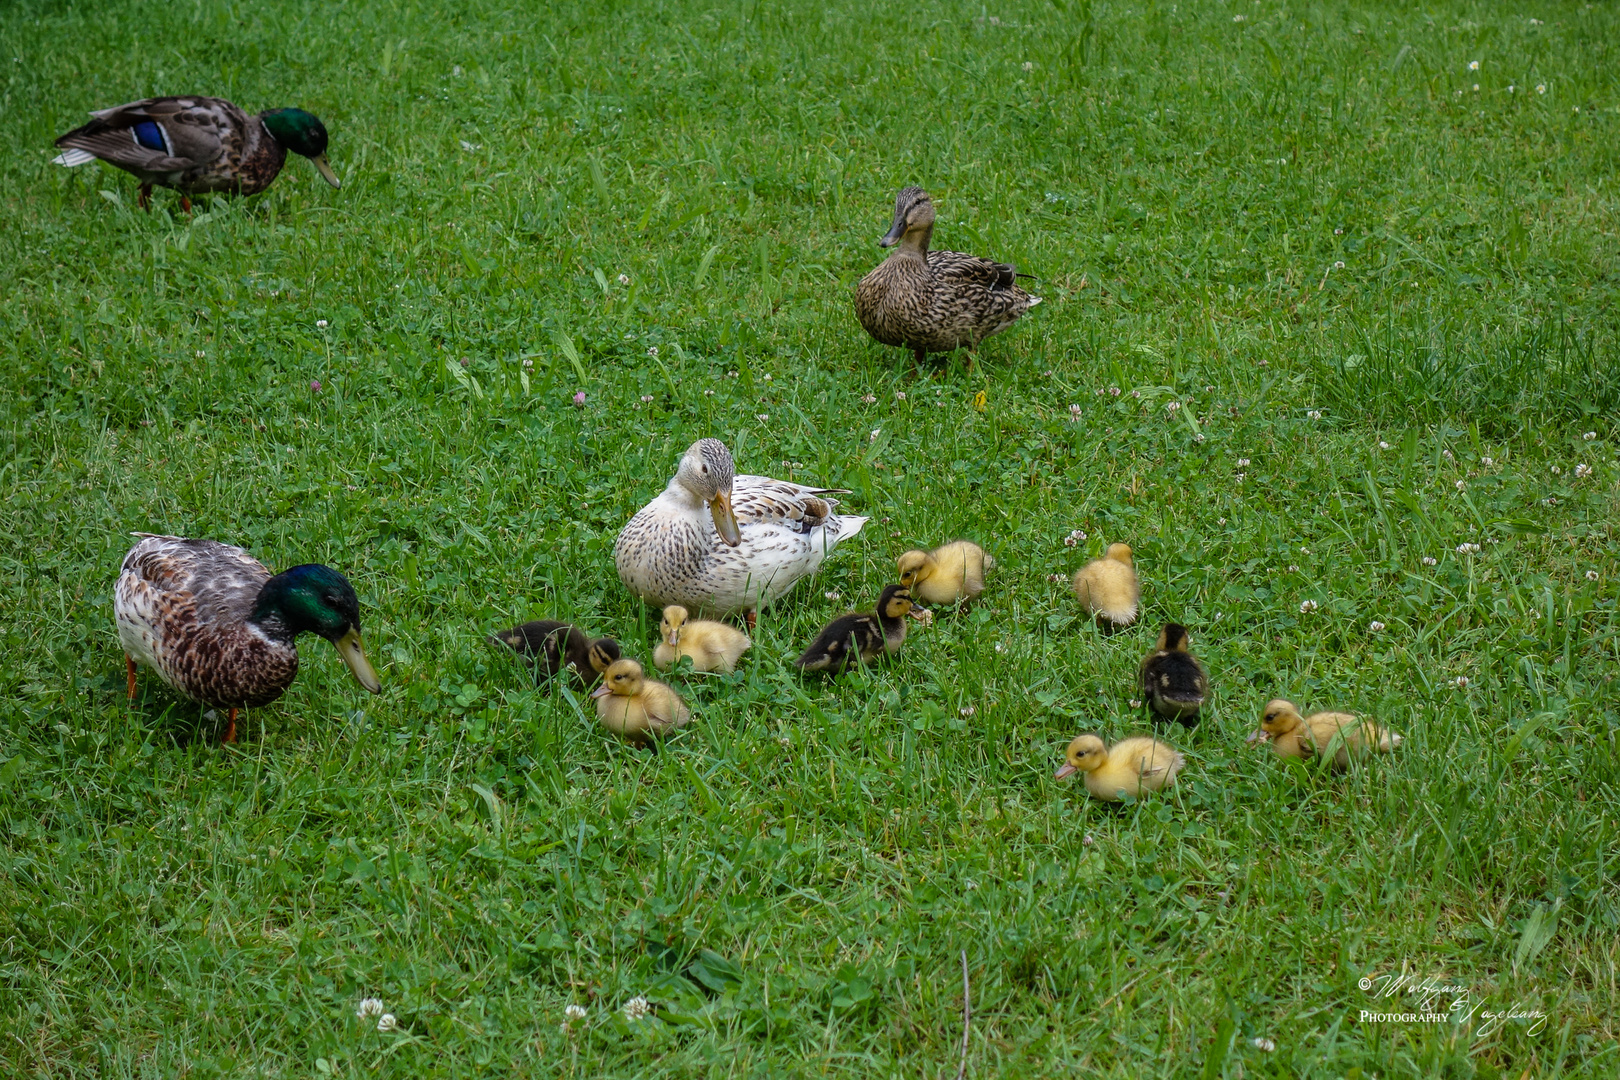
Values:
[(635, 708), (950, 574), (1130, 767), (196, 145), (553, 646), (712, 646), (1109, 589), (1174, 685), (218, 627), (862, 637), (934, 301), (1296, 736)]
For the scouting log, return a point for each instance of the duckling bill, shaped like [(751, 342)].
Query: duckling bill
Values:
[(1173, 682), (860, 637), (553, 646)]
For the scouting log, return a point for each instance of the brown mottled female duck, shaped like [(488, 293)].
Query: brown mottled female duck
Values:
[(196, 145), (215, 625), (935, 301)]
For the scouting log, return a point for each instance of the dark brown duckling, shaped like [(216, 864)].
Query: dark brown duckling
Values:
[(1174, 685), (860, 637), (552, 646)]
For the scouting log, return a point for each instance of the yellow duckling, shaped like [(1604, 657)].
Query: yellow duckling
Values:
[(713, 646), (1109, 589), (1292, 735), (1133, 766), (635, 708), (950, 574)]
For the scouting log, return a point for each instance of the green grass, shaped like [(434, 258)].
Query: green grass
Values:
[(793, 879)]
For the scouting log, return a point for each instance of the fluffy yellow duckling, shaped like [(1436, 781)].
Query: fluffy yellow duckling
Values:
[(1292, 735), (1131, 767), (713, 646), (1109, 589), (1173, 681), (635, 708), (950, 574)]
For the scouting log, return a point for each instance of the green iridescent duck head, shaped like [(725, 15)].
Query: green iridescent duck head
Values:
[(302, 133), (318, 600)]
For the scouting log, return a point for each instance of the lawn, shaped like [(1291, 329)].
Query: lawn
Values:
[(1378, 281)]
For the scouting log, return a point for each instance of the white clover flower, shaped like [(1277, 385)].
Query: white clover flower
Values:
[(1448, 455), (1293, 569), (646, 397), (1264, 1045), (1557, 471), (387, 1022), (624, 279), (1462, 682), (1087, 840), (1114, 390), (763, 418), (1473, 65), (1591, 575), (1174, 406), (1476, 88), (1315, 414), (1057, 578), (1243, 463), (1220, 521), (875, 433), (1512, 88), (899, 395), (528, 365), (1462, 485), (1487, 462), (1239, 477), (708, 393), (1069, 541), (1588, 436), (652, 351), (1074, 411), (769, 378), (1238, 18), (636, 1008), (574, 1012), (1198, 436), (1429, 560), (1583, 469), (1307, 606), (1375, 626), (831, 594), (868, 399), (1541, 88), (1467, 549), (1382, 445), (1029, 66), (369, 1007), (1338, 264), (320, 324), (1135, 704), (1001, 646), (967, 710)]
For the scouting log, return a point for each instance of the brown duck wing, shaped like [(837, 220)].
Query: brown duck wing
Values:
[(159, 135), (958, 268), (222, 582)]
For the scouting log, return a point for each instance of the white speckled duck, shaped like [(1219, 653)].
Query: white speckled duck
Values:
[(725, 544)]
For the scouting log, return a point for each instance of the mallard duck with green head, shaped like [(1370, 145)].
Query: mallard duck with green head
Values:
[(197, 145), (218, 627)]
